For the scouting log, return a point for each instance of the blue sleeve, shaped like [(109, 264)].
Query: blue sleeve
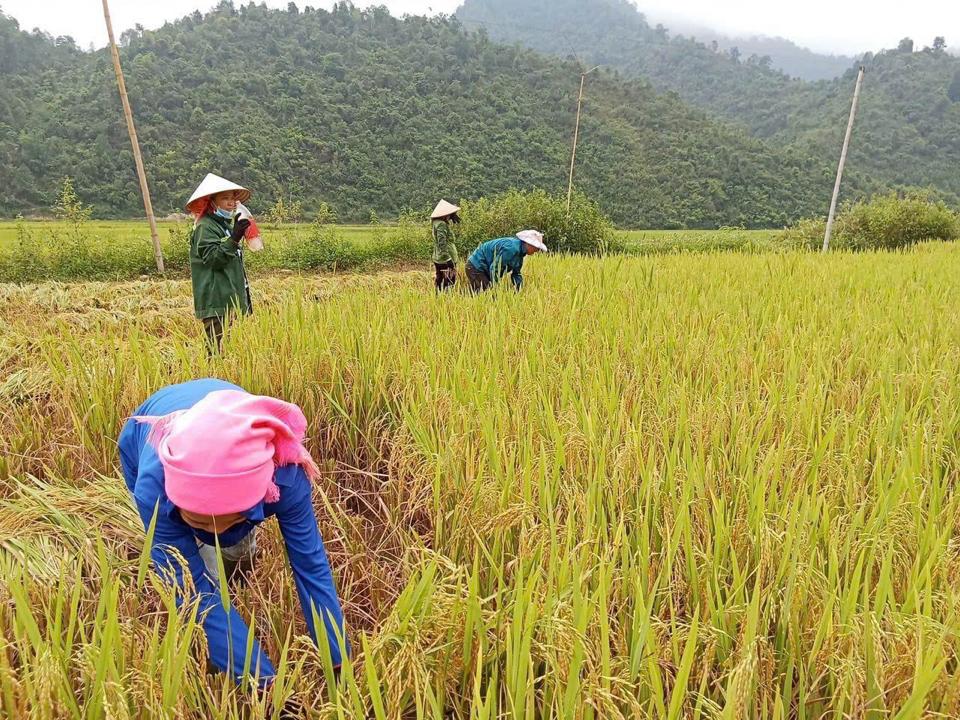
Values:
[(516, 268), (308, 559), (498, 266), (128, 447), (227, 633), (516, 276)]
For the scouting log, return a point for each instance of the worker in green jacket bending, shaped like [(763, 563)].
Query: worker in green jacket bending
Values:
[(220, 288), (444, 247)]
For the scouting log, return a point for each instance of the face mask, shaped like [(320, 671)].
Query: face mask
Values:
[(225, 214)]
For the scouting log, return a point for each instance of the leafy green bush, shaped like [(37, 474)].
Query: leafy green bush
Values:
[(325, 248), (584, 230), (326, 215), (24, 258), (886, 222), (322, 249), (807, 233), (75, 251), (285, 212)]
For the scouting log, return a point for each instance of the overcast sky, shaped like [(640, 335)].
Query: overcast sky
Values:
[(823, 25)]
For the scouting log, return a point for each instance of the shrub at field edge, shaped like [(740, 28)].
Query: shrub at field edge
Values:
[(886, 222)]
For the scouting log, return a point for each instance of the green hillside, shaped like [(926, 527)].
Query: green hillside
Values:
[(372, 113)]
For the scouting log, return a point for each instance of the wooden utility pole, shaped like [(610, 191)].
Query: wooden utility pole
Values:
[(843, 161), (576, 136), (132, 130)]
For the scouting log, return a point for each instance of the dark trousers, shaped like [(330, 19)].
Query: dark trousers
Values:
[(446, 276), (213, 327), (479, 281)]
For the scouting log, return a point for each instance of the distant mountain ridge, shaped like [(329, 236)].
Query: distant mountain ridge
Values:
[(785, 55), (908, 128)]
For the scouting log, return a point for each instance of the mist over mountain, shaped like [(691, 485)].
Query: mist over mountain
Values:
[(908, 129), (785, 55)]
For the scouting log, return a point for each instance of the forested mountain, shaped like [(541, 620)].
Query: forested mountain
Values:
[(908, 131), (369, 112), (785, 55), (615, 34)]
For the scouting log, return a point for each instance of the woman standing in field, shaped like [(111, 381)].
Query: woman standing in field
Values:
[(220, 287), (494, 258), (444, 247), (206, 463)]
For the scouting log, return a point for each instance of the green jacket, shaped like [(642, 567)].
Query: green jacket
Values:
[(216, 270), (444, 250)]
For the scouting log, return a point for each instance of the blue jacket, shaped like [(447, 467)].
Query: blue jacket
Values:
[(226, 631), (497, 257)]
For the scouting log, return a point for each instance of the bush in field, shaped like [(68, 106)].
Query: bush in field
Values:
[(584, 230), (61, 251), (70, 208), (326, 215), (412, 215), (282, 212), (807, 233), (324, 247), (26, 258), (74, 257), (408, 241), (886, 222)]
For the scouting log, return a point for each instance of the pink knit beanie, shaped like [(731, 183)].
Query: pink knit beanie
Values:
[(219, 456)]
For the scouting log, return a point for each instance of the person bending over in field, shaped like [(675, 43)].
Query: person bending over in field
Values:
[(444, 248), (220, 287), (207, 463), (495, 258)]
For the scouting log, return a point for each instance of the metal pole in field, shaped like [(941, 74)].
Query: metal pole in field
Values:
[(132, 130), (843, 161), (576, 136)]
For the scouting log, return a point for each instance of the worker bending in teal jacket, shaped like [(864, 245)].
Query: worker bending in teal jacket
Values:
[(495, 258)]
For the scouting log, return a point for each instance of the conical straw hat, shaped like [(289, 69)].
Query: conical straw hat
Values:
[(443, 209), (211, 185)]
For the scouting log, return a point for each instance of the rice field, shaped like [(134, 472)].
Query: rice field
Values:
[(124, 232), (703, 485), (31, 251), (653, 242)]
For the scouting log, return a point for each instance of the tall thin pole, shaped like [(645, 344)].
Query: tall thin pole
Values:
[(132, 130), (576, 137), (843, 161)]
